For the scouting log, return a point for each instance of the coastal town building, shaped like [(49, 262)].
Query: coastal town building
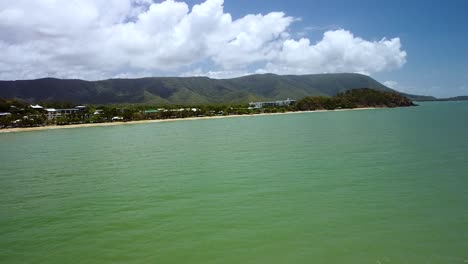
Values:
[(36, 107), (257, 105), (68, 111), (53, 113), (151, 111)]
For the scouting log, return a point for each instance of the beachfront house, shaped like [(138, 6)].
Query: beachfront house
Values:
[(53, 113), (36, 107), (286, 102), (68, 111), (5, 114)]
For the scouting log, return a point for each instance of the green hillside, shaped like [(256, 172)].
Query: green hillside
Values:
[(188, 90)]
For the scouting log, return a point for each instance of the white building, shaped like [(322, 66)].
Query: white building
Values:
[(51, 113), (271, 103), (37, 107)]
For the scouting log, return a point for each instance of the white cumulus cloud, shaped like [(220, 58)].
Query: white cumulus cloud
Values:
[(338, 51), (96, 39)]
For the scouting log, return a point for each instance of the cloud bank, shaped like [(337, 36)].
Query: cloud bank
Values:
[(97, 39)]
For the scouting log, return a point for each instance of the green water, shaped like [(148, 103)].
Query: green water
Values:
[(371, 186)]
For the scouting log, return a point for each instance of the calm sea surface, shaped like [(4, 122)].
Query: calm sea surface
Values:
[(371, 186)]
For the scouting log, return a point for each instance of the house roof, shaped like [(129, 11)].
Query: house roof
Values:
[(36, 107)]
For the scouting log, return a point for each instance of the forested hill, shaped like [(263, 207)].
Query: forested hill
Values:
[(189, 90)]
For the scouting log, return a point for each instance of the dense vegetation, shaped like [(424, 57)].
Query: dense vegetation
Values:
[(21, 114), (188, 90), (354, 99)]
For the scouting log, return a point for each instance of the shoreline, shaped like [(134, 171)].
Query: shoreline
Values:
[(51, 127)]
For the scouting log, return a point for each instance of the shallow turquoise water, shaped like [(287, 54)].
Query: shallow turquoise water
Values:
[(371, 186)]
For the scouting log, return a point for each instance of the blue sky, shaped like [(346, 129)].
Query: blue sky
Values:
[(433, 33), (417, 47)]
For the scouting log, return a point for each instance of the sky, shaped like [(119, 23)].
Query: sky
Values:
[(413, 46)]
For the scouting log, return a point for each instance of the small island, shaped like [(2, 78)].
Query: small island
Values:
[(20, 114)]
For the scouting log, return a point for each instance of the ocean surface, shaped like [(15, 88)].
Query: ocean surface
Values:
[(369, 186)]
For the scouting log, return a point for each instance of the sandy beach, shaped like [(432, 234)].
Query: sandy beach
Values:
[(26, 129)]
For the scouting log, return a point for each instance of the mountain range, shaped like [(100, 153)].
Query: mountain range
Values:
[(189, 90)]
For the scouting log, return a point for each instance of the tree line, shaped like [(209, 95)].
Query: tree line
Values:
[(20, 114)]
